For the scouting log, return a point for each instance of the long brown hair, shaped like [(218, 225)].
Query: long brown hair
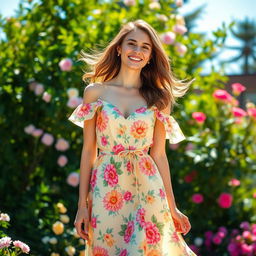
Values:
[(159, 84)]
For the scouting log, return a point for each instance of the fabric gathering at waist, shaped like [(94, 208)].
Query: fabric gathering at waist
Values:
[(124, 151)]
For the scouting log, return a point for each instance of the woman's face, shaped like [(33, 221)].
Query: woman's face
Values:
[(136, 49)]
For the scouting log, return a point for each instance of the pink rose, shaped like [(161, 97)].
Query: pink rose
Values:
[(24, 247), (190, 176), (181, 48), (252, 112), (179, 3), (129, 2), (168, 38), (104, 140), (47, 97), (197, 198), (216, 239), (37, 132), (110, 175), (73, 102), (238, 112), (5, 242), (162, 193), (73, 179), (124, 252), (94, 222), (129, 231), (93, 178), (199, 117), (29, 129), (62, 160), (234, 182), (62, 145), (65, 64), (222, 95), (39, 89), (237, 88), (47, 139), (180, 29), (225, 200), (117, 148), (127, 196), (152, 233), (140, 217)]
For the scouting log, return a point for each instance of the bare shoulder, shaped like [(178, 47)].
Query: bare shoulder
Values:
[(92, 92)]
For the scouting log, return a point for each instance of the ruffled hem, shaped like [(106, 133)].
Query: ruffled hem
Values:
[(172, 128), (84, 111)]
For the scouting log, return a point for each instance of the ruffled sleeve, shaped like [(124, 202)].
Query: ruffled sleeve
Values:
[(172, 128), (84, 111)]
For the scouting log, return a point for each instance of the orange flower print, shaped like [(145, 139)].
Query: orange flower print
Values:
[(143, 246), (102, 120), (100, 251), (146, 166), (121, 130), (154, 252), (113, 201), (139, 129), (150, 199), (108, 238), (167, 217)]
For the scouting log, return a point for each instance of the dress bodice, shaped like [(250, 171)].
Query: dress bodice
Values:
[(113, 130)]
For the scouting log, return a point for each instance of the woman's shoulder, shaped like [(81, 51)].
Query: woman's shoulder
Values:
[(92, 92)]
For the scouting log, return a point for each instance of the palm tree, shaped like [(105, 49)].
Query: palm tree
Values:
[(246, 33)]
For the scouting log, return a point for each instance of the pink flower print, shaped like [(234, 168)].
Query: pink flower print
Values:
[(162, 193), (104, 141), (147, 166), (175, 237), (127, 196), (84, 110), (113, 201), (97, 250), (131, 147), (118, 148), (140, 217), (129, 231), (141, 110), (123, 252), (102, 120), (93, 179), (117, 111), (152, 233), (110, 175), (94, 222), (129, 166)]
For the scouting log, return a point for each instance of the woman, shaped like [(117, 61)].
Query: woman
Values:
[(125, 113)]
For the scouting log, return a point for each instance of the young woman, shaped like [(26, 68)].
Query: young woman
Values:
[(126, 204)]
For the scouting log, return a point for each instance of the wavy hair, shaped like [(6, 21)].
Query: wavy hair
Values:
[(159, 84)]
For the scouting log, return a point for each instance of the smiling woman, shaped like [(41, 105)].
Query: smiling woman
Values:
[(126, 202)]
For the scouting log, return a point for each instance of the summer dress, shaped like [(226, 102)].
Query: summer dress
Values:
[(127, 203)]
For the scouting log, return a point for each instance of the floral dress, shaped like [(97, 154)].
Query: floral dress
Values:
[(128, 208)]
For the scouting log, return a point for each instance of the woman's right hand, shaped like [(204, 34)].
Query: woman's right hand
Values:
[(82, 216)]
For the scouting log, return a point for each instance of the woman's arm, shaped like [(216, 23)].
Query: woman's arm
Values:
[(157, 152), (89, 150)]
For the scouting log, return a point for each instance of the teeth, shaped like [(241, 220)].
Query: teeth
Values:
[(134, 58)]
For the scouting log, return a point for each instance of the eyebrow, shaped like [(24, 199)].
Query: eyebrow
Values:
[(130, 39)]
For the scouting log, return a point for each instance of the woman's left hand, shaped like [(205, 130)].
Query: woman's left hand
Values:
[(181, 221)]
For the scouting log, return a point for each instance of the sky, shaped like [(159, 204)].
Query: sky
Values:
[(215, 13)]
